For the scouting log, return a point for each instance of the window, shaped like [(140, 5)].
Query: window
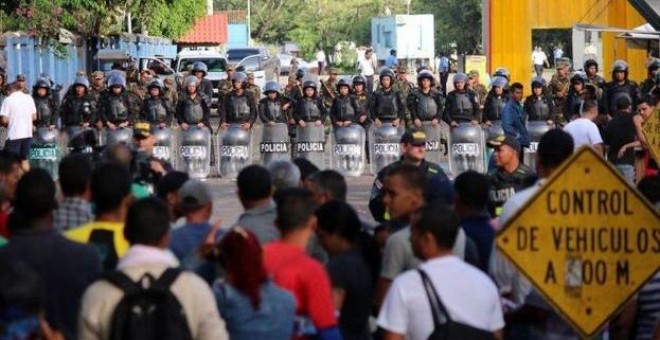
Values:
[(213, 64), (387, 36), (252, 63)]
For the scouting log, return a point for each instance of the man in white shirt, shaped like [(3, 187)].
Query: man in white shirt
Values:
[(469, 296), (539, 59), (320, 60), (555, 147), (18, 112), (583, 130), (368, 66)]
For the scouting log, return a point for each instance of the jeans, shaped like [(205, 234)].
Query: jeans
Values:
[(628, 172), (539, 70)]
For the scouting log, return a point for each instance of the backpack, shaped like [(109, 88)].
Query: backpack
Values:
[(148, 310)]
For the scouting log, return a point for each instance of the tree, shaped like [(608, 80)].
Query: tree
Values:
[(457, 23)]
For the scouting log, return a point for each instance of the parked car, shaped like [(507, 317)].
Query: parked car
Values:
[(265, 68), (285, 63), (215, 62)]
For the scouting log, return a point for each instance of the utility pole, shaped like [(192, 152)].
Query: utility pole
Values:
[(248, 23)]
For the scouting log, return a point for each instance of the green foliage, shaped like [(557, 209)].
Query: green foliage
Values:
[(457, 23)]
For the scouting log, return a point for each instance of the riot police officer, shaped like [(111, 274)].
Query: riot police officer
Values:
[(575, 96), (359, 85), (649, 83), (538, 106), (461, 105), (425, 103), (386, 105), (510, 174), (591, 69), (205, 87), (157, 109), (310, 108), (273, 109), (118, 108), (619, 87), (47, 107), (240, 107), (78, 107), (495, 100), (193, 109), (345, 108)]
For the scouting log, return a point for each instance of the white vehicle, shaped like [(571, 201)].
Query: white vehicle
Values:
[(216, 63)]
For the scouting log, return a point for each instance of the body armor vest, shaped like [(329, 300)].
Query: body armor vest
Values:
[(192, 110), (117, 108), (541, 110), (239, 109), (310, 110), (274, 111), (44, 111), (427, 108), (346, 110), (387, 106), (156, 111)]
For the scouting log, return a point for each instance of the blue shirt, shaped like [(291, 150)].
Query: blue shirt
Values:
[(273, 320), (184, 243), (479, 230), (391, 61), (443, 66), (513, 122)]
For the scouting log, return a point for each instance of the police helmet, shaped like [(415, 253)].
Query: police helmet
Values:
[(425, 74), (502, 72), (539, 82), (499, 81), (240, 77), (309, 84), (82, 81), (199, 66), (300, 73), (589, 63), (156, 83), (359, 79), (343, 82), (190, 81), (620, 65), (116, 80), (272, 86), (42, 83), (579, 77), (460, 77), (386, 73), (653, 64), (421, 68)]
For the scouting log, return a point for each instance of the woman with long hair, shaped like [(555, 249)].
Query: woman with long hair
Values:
[(252, 306)]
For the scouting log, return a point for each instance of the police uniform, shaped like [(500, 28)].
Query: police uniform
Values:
[(273, 110), (224, 87), (461, 106), (494, 106), (404, 87), (47, 110), (425, 106), (539, 108), (255, 89), (328, 89), (376, 206), (77, 110), (504, 185), (239, 108), (97, 91), (479, 88), (386, 105), (119, 108), (559, 103), (157, 110), (345, 108), (193, 110)]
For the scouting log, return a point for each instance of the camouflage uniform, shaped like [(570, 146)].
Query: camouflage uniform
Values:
[(404, 87), (97, 92), (328, 90), (479, 88), (559, 85), (170, 91), (224, 87), (254, 88)]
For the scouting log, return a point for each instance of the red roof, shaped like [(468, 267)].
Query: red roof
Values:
[(210, 29)]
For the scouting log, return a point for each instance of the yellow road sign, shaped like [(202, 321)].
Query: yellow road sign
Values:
[(651, 130), (587, 241)]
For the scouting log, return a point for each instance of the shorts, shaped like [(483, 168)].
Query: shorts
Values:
[(19, 147)]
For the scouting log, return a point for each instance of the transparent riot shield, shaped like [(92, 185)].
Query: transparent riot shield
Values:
[(437, 144), (491, 132), (122, 135), (467, 148), (384, 146), (234, 150), (195, 152), (164, 146), (80, 139), (310, 144), (275, 143), (536, 130), (45, 152), (348, 150)]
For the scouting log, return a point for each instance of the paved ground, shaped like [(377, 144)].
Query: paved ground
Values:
[(228, 208)]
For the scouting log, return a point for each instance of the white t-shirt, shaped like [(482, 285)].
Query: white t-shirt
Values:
[(584, 132), (320, 57), (539, 57), (468, 294), (367, 67), (19, 107)]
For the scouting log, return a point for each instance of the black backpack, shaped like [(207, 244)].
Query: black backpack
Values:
[(449, 329), (148, 310)]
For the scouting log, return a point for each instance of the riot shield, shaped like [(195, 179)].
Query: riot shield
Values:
[(234, 150), (348, 150), (437, 144), (80, 139), (45, 152), (122, 135), (164, 146), (536, 130), (467, 146), (310, 144), (274, 143), (491, 132), (195, 152), (384, 145)]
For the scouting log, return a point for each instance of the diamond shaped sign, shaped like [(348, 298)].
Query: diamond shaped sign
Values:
[(651, 130), (587, 241)]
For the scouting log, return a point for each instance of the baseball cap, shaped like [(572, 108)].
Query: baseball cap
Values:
[(414, 137), (142, 130), (171, 182), (20, 77), (333, 70), (473, 73), (402, 69), (193, 195), (97, 75), (504, 140)]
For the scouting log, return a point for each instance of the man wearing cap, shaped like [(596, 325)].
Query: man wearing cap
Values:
[(392, 61), (510, 174), (98, 85), (477, 87), (254, 88), (225, 85), (139, 88), (403, 86), (150, 167), (21, 81), (413, 147), (18, 111), (328, 87), (559, 85)]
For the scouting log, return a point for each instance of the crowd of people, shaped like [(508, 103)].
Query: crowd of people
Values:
[(95, 256)]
